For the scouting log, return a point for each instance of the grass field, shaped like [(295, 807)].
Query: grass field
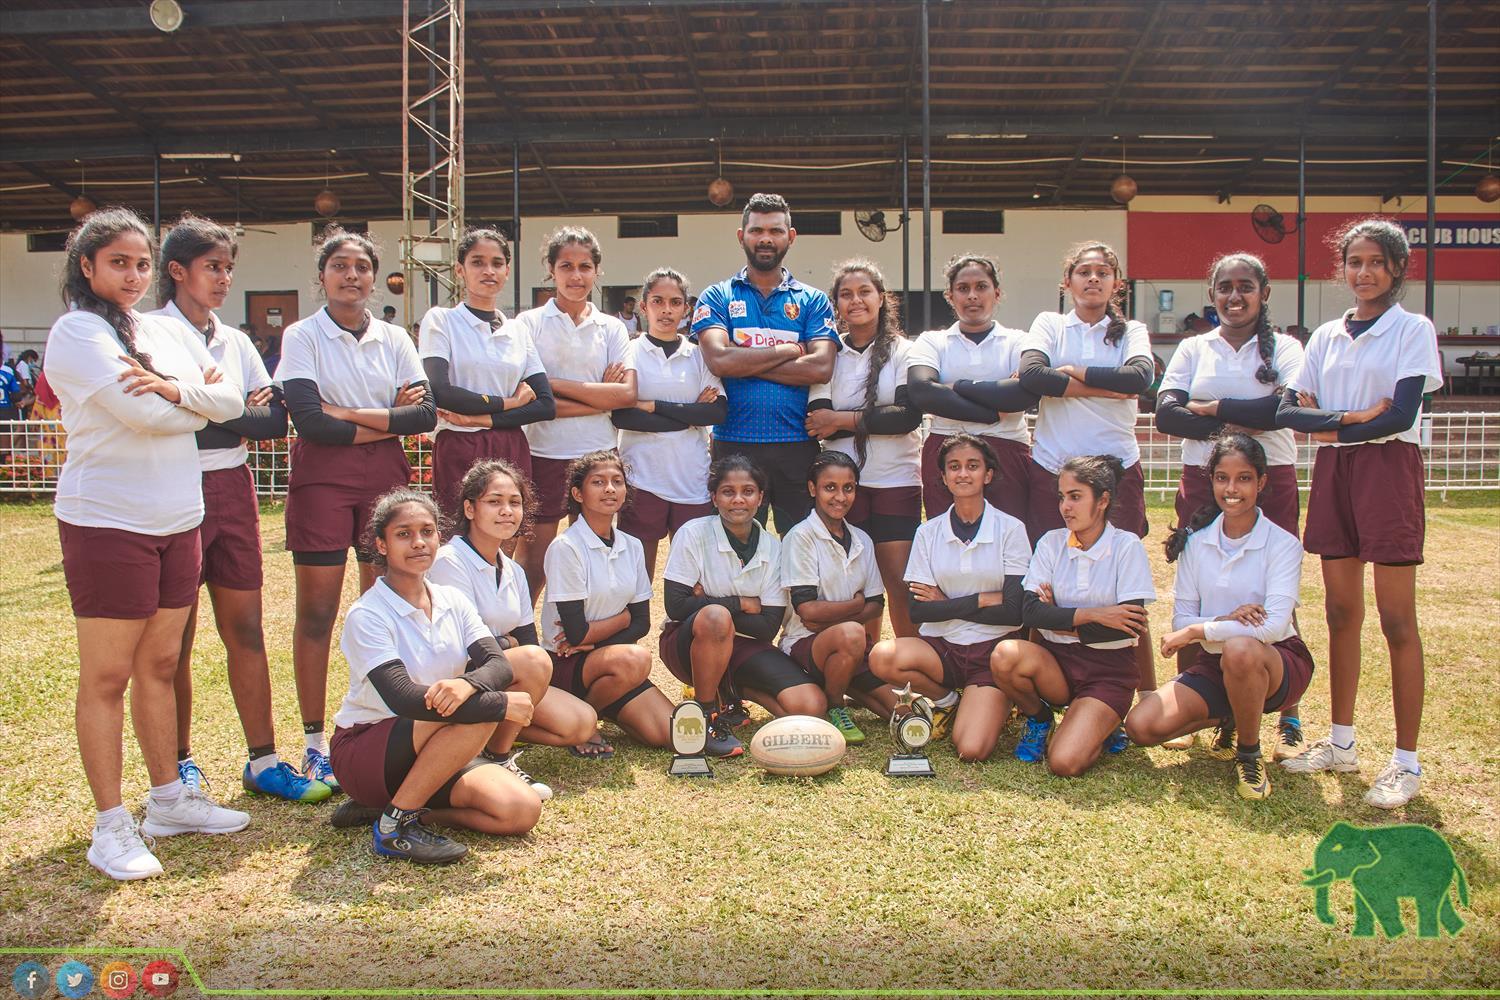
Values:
[(1148, 873)]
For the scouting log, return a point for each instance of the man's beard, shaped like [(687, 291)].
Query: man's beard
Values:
[(775, 265)]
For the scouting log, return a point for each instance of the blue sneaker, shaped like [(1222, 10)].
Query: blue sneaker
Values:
[(193, 779), (1117, 741), (284, 783), (316, 766), (413, 842), (1033, 746)]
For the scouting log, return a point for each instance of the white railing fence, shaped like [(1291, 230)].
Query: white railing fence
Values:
[(1462, 451)]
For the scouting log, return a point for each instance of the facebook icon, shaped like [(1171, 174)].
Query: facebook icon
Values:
[(29, 979)]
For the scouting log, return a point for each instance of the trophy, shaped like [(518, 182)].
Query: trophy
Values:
[(911, 729), (689, 735)]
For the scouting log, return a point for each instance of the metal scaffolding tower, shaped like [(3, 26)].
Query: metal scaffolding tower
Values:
[(435, 115)]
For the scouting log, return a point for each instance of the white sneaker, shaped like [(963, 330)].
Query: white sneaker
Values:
[(1323, 755), (1394, 788), (508, 761), (119, 852), (193, 812)]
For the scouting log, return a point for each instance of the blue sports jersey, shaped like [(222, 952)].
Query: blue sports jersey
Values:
[(761, 411), (10, 387)]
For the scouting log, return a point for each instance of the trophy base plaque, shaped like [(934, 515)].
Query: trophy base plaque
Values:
[(909, 765), (690, 766)]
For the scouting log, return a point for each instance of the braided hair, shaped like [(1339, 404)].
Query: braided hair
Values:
[(1265, 337), (1115, 307), (887, 334), (1225, 444), (96, 232)]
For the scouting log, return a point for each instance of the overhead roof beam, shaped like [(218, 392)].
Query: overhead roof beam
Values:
[(536, 155), (54, 181), (1359, 55)]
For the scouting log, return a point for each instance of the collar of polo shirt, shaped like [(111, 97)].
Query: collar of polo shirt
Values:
[(479, 322), (554, 311), (176, 313), (722, 537), (1073, 319), (399, 605), (989, 527), (375, 332), (1214, 533), (1094, 552), (1386, 321), (788, 283), (855, 545)]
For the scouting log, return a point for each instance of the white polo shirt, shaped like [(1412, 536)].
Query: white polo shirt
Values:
[(381, 627), (1352, 373), (812, 557), (499, 594), (890, 459), (606, 578), (132, 460), (489, 362), (1206, 367), (1084, 425), (1215, 575), (580, 353), (1112, 571), (240, 362), (671, 464), (941, 559), (701, 553), (955, 356), (365, 373)]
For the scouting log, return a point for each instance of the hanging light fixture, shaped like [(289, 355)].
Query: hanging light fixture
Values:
[(1123, 188), (395, 283), (720, 191), (82, 205), (327, 203), (1488, 188)]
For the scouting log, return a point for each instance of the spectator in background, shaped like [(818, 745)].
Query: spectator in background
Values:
[(270, 351), (628, 316), (685, 325), (389, 314), (10, 389)]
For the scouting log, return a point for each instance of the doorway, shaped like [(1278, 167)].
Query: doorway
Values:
[(270, 313)]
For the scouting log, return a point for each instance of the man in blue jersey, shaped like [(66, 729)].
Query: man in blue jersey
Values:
[(768, 337)]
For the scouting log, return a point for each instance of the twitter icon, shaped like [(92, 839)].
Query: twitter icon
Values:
[(75, 980)]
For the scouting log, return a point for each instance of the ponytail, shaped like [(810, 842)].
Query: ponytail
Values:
[(97, 231), (1178, 539)]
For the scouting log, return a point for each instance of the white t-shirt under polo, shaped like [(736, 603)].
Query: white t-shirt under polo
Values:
[(1353, 373), (1113, 570), (381, 627), (606, 578), (1084, 425), (236, 357), (1215, 575), (579, 353), (670, 464), (812, 557), (132, 460), (365, 373), (701, 553), (489, 362), (956, 357), (890, 459), (1206, 367), (504, 604), (941, 559)]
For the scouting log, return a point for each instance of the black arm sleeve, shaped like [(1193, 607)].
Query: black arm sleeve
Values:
[(801, 595), (762, 626), (628, 418), (488, 669), (1406, 404), (929, 395), (258, 423), (1133, 377), (305, 404), (1304, 418), (952, 609), (695, 414), (1257, 414), (215, 436), (408, 699), (414, 419), (1095, 633), (544, 407), (1003, 396), (640, 624), (1038, 377), (525, 635), (967, 608), (574, 624), (1173, 417), (680, 602), (1037, 613), (457, 398), (901, 417)]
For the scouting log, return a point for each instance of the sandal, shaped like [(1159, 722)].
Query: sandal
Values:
[(594, 749)]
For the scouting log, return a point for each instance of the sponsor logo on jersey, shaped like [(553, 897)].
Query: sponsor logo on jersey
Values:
[(737, 309), (755, 336), (791, 310), (702, 312)]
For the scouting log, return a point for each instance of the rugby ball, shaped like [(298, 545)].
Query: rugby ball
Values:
[(797, 745)]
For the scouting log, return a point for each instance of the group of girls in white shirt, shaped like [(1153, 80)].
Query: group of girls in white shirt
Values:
[(615, 435)]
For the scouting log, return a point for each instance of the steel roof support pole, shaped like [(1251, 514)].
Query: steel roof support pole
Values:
[(905, 235), (1302, 231), (1432, 18), (926, 172), (515, 226)]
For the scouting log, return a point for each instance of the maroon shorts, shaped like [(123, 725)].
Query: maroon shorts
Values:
[(333, 490), (1007, 491), (1127, 508), (372, 759), (1108, 675), (964, 665), (1205, 676), (230, 531), (455, 452), (862, 680), (1280, 500), (667, 647), (650, 518), (113, 573), (887, 513), (1367, 503), (549, 481), (567, 673)]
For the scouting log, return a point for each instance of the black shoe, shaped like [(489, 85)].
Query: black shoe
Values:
[(351, 814), (734, 714), (413, 842)]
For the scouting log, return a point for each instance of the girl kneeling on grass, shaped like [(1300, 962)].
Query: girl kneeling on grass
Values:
[(495, 503), (965, 578), (427, 694), (1238, 579), (829, 569), (1086, 593)]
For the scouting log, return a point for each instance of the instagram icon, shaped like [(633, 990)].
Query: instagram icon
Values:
[(118, 980)]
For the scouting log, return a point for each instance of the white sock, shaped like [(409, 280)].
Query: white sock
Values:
[(1342, 736), (947, 701), (317, 741), (1407, 759), (265, 763), (108, 816), (166, 796)]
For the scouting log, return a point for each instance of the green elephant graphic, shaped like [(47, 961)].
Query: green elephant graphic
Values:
[(1385, 865), (689, 726)]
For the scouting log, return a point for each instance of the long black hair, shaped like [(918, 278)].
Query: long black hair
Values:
[(191, 237), (477, 480), (887, 334), (1234, 443), (96, 232), (385, 509), (1265, 337), (1100, 473), (1115, 307)]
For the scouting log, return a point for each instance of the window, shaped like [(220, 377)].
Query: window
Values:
[(974, 221), (818, 223), (46, 242), (642, 226)]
